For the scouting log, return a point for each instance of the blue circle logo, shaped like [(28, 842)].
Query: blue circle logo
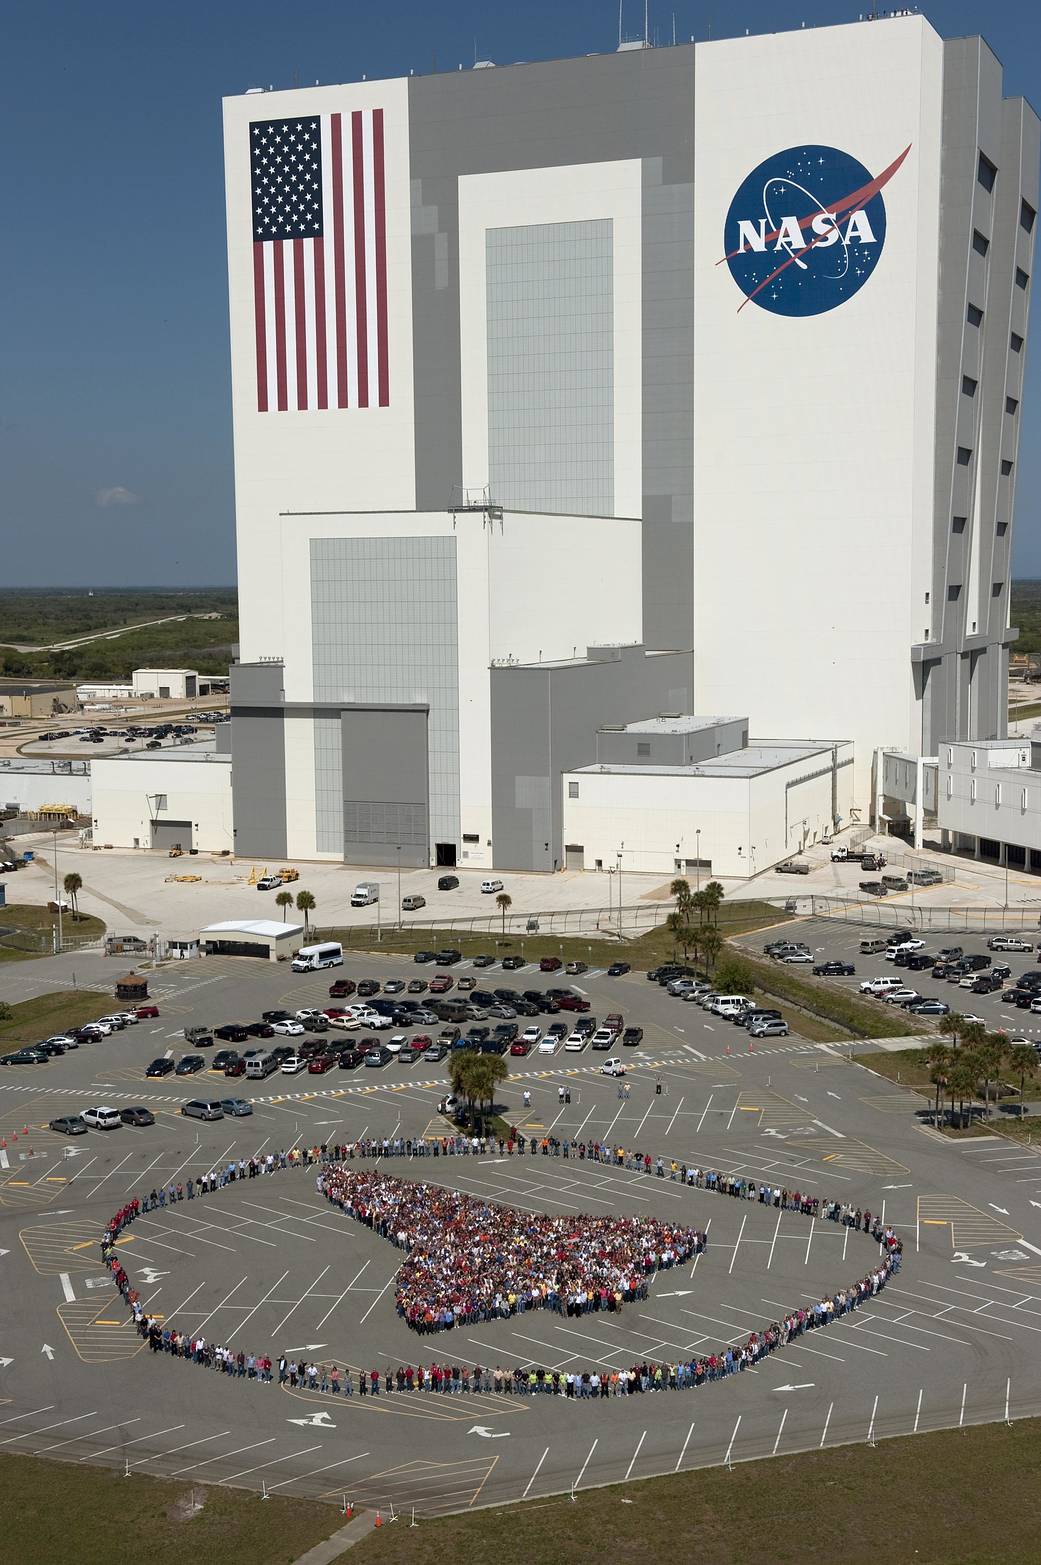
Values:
[(806, 229)]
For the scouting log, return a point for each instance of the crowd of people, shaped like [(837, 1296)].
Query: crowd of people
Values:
[(581, 1255), (471, 1260)]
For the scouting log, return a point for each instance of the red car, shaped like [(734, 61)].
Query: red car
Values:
[(572, 1002), (320, 1064), (519, 1047), (342, 989), (441, 984), (616, 1021), (334, 1010), (235, 1068), (550, 964), (145, 1013), (422, 1042)]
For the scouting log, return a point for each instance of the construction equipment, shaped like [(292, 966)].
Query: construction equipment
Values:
[(176, 851), (287, 876)]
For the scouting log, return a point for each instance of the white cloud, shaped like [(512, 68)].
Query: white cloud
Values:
[(117, 495)]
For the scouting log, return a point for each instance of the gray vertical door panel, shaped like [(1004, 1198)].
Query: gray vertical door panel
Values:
[(385, 800)]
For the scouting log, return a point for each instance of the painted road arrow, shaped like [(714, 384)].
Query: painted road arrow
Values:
[(1033, 1203), (4, 1363), (804, 1385), (486, 1434), (680, 1293), (48, 1350), (1002, 1209), (316, 1421), (896, 1187), (303, 1347)]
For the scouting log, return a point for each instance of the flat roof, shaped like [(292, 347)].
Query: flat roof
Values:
[(34, 687), (205, 750), (669, 723), (760, 756), (266, 928)]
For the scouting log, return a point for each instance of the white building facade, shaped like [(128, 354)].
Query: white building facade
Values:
[(565, 389)]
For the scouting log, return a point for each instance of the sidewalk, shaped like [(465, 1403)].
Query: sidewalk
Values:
[(326, 1552)]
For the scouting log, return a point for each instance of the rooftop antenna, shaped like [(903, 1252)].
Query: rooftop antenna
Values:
[(646, 29), (619, 23), (674, 29)]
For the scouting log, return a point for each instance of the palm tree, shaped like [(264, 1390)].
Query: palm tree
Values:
[(714, 895), (305, 904), (487, 1071), (938, 1057), (680, 889), (962, 1082), (284, 900), (954, 1026), (72, 884), (504, 902), (711, 942), (988, 1056), (1022, 1058)]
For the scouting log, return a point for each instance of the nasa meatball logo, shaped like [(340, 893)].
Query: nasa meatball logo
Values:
[(806, 229)]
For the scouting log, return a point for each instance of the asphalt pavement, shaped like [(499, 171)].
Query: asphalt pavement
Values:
[(269, 1266)]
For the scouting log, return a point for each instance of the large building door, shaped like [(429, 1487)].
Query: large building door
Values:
[(172, 834), (386, 813), (574, 855)]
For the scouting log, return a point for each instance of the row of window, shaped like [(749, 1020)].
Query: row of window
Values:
[(965, 457), (954, 591), (974, 315), (987, 174), (970, 386), (1024, 793)]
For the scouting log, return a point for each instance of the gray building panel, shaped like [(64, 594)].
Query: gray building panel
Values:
[(639, 104), (258, 773), (385, 787), (384, 634), (544, 721)]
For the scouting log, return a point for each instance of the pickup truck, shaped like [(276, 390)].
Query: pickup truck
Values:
[(792, 867), (846, 855)]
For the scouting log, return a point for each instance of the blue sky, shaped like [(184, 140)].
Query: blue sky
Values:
[(115, 431)]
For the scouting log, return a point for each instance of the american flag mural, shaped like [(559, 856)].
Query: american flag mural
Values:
[(320, 262)]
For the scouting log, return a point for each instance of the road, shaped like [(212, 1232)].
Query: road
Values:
[(267, 1264), (97, 635)]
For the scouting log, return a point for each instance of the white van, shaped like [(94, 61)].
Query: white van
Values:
[(491, 885), (261, 1065), (309, 958), (365, 893), (729, 1005)]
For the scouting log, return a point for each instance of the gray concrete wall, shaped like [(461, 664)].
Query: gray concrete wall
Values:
[(979, 394), (258, 774), (633, 747), (549, 114), (544, 721), (386, 812)]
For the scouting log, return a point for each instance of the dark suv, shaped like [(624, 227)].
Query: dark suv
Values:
[(447, 882), (448, 958)]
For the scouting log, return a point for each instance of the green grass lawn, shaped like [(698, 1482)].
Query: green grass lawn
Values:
[(643, 952), (55, 1513), (29, 930), (848, 1014), (936, 1499), (49, 1014)]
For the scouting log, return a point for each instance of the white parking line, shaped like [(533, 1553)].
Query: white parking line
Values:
[(683, 1452), (58, 1424), (780, 1432), (635, 1454), (344, 1461), (343, 1295), (88, 1436), (222, 1456), (256, 1306), (827, 1421), (273, 1463), (535, 1474), (585, 1464), (185, 1447), (733, 1437)]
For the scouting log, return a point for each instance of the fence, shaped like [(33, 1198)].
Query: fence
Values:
[(906, 915), (624, 924)]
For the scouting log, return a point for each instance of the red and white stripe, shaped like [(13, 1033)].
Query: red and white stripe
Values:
[(321, 304)]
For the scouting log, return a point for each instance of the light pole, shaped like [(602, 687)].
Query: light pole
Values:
[(57, 899), (697, 850), (610, 883), (399, 885), (621, 847)]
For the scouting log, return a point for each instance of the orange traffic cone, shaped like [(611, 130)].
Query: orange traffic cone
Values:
[(379, 1520)]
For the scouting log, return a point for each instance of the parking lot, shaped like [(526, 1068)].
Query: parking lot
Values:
[(267, 1265)]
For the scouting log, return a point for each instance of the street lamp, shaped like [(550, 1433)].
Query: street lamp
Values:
[(620, 849), (697, 861), (399, 885)]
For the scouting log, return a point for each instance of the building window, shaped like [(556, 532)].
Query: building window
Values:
[(1011, 404), (1024, 798), (974, 315), (986, 172), (972, 789), (1026, 216), (1006, 468), (927, 597), (953, 592), (997, 793), (974, 760), (572, 790), (1022, 278), (1016, 342), (980, 242), (643, 747), (950, 756), (950, 786), (958, 524), (1002, 529), (964, 456), (996, 589), (968, 386), (471, 836), (925, 634)]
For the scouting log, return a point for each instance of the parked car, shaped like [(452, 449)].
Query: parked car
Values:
[(160, 1067), (613, 1067), (188, 1064), (834, 970), (792, 867), (342, 989), (632, 1036), (447, 882), (573, 969), (772, 1027), (1008, 943), (484, 960), (550, 964), (289, 1029), (146, 1013), (619, 969), (200, 1108), (236, 1108), (69, 1125), (291, 1064), (873, 888), (510, 964), (137, 1115), (102, 1118)]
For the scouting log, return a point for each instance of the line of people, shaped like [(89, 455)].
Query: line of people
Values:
[(522, 1380)]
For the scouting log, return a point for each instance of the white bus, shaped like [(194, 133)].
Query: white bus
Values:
[(310, 957)]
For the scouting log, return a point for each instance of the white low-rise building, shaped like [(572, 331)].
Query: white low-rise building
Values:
[(683, 794), (181, 798), (166, 683)]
